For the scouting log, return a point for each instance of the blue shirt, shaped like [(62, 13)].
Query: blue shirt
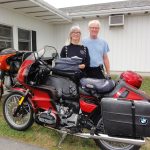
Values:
[(97, 48)]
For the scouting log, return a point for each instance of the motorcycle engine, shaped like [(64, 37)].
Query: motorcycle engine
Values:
[(10, 81), (7, 82), (47, 117), (67, 116)]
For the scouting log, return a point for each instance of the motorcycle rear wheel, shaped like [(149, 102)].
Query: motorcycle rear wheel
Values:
[(24, 118), (107, 145)]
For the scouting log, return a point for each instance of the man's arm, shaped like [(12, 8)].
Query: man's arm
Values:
[(106, 63)]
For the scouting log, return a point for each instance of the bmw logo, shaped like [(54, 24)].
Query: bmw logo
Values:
[(143, 120)]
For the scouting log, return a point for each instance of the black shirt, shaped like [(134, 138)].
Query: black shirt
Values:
[(76, 50)]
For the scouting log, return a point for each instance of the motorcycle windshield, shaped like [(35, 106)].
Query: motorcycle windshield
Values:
[(8, 51), (48, 52)]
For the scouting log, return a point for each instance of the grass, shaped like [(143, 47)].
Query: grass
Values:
[(146, 85), (43, 137), (48, 139)]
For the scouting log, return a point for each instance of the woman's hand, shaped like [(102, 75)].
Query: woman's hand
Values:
[(82, 66)]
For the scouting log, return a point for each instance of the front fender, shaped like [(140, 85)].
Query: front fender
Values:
[(22, 90), (17, 89)]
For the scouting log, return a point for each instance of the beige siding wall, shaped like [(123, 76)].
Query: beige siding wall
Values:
[(129, 45)]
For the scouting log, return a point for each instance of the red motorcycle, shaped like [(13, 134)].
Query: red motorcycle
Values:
[(116, 114), (10, 62)]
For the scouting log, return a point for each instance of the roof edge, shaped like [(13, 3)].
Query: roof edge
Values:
[(52, 9), (110, 12)]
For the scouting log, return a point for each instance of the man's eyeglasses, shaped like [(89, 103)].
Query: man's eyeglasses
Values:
[(96, 28)]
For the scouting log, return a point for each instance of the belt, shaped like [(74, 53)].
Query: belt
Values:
[(99, 67)]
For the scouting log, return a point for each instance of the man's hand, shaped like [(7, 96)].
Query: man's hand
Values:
[(108, 77)]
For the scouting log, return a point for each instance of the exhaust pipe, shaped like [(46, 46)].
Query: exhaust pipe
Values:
[(137, 142), (112, 139)]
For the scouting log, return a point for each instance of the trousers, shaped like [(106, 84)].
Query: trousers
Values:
[(95, 72)]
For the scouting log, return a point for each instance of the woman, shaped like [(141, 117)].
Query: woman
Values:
[(74, 48)]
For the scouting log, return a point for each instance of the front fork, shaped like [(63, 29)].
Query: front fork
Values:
[(2, 74), (21, 100)]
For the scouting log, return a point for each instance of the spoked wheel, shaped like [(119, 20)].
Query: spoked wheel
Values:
[(1, 88), (24, 117), (107, 145)]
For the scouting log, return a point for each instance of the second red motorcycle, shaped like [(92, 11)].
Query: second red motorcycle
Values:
[(10, 62)]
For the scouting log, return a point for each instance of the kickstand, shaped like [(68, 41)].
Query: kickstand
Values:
[(64, 134)]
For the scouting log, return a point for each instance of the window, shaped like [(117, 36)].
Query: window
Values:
[(24, 39), (6, 37)]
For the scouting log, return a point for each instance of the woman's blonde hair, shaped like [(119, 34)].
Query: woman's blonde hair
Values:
[(75, 27)]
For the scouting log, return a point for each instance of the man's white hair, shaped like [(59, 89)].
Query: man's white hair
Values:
[(94, 22)]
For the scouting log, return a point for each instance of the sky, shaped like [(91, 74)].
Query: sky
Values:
[(69, 3)]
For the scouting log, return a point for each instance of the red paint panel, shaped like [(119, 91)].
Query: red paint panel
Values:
[(87, 107), (42, 100)]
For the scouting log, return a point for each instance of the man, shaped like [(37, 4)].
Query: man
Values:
[(98, 49)]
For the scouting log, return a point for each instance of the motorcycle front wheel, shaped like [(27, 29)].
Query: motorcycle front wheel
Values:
[(1, 88), (24, 117), (107, 145), (1, 92)]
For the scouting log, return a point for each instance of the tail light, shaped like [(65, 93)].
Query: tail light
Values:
[(132, 78)]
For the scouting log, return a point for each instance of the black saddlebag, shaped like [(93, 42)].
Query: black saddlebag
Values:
[(66, 88), (68, 67), (126, 118)]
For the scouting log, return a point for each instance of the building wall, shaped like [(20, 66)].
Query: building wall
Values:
[(129, 45), (44, 31)]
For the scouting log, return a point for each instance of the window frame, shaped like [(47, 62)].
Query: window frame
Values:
[(23, 40), (5, 38)]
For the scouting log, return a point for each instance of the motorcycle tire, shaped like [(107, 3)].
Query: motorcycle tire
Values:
[(1, 89), (1, 93), (107, 145), (24, 118)]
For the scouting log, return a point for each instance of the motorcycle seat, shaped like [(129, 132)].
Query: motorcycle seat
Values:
[(99, 85)]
